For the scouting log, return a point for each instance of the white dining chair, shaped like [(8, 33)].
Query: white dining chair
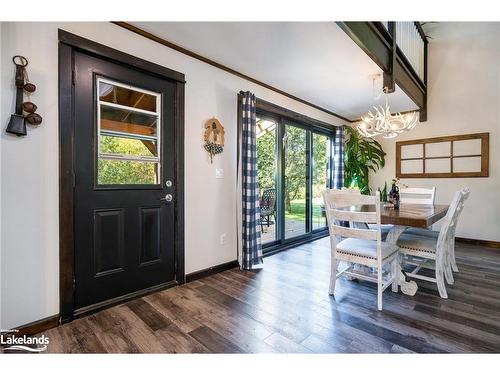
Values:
[(417, 195), (434, 234), (357, 246), (412, 196), (433, 252), (451, 244)]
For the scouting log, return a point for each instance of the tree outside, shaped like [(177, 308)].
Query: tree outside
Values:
[(295, 168), (266, 160), (295, 171), (124, 171), (320, 155)]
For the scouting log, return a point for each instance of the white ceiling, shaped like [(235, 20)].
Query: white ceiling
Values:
[(315, 61)]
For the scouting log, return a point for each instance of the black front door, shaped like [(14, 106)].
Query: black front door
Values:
[(124, 180)]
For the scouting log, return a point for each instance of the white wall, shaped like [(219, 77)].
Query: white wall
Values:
[(29, 166), (463, 97)]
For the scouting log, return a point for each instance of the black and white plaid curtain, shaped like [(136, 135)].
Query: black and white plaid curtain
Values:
[(338, 158), (251, 247)]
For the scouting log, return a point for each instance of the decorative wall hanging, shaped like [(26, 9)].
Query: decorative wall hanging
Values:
[(25, 111), (214, 138), (465, 155)]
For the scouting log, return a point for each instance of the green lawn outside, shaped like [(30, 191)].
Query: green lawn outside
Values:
[(299, 211)]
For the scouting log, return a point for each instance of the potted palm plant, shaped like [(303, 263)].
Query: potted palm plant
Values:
[(361, 156)]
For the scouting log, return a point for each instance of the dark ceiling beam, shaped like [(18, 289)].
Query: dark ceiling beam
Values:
[(227, 69), (376, 42)]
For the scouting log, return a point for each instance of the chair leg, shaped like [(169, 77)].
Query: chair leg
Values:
[(440, 282), (333, 275), (448, 274), (395, 273), (379, 289), (453, 261), (448, 260)]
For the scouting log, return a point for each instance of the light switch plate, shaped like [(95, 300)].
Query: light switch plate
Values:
[(223, 239), (219, 173)]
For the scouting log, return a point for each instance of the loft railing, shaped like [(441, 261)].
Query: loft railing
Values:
[(410, 40), (400, 50)]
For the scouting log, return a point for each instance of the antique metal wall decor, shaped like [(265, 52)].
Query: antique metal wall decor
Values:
[(214, 137), (25, 111)]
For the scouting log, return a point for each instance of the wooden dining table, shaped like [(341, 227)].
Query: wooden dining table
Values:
[(408, 215), (411, 215)]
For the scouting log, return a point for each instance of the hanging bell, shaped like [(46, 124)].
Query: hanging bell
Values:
[(29, 107), (29, 87), (34, 119), (17, 125)]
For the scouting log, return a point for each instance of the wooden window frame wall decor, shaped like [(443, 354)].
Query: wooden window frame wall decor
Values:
[(484, 155)]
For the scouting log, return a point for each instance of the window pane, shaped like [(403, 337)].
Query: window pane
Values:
[(130, 123), (128, 152), (321, 155), (437, 149), (472, 164), (412, 151), (295, 181), (467, 147), (438, 165), (127, 172), (412, 166), (128, 146), (111, 93), (266, 165)]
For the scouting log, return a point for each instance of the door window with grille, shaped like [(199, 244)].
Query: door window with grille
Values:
[(128, 128)]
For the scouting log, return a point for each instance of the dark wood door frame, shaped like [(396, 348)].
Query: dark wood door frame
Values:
[(68, 44)]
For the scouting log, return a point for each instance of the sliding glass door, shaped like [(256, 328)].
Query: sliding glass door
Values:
[(267, 163), (296, 177), (294, 162), (321, 177)]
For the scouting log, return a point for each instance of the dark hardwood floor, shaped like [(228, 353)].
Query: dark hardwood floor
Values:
[(285, 308)]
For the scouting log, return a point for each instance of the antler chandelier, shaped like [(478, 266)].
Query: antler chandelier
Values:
[(380, 121)]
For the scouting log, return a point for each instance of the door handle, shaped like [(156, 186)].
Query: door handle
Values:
[(167, 198)]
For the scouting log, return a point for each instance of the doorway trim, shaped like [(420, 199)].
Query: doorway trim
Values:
[(68, 44)]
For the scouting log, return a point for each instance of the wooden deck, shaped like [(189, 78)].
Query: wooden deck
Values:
[(293, 228), (285, 308)]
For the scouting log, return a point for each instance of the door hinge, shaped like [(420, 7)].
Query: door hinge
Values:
[(74, 283), (73, 77), (74, 180)]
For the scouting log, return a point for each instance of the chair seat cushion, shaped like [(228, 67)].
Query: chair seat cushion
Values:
[(365, 248), (421, 232), (419, 243)]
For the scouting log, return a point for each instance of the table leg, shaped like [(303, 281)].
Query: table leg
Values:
[(394, 233), (407, 287)]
